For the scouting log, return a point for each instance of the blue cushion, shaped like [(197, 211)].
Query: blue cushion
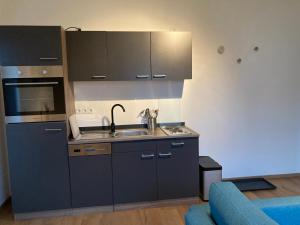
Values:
[(229, 206), (284, 215)]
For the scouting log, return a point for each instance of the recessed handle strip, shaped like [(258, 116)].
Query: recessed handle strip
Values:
[(142, 76), (177, 144), (48, 58), (159, 75), (150, 156), (53, 129), (99, 77), (165, 155), (31, 83)]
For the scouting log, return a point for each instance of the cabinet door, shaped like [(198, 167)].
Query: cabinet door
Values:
[(134, 172), (177, 168), (91, 180), (30, 45), (129, 55), (87, 55), (38, 162), (171, 55)]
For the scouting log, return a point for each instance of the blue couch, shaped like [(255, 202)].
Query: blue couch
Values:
[(228, 206)]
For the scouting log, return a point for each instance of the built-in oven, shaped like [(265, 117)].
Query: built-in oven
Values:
[(33, 94)]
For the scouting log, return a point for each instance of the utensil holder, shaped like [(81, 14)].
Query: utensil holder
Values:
[(152, 124)]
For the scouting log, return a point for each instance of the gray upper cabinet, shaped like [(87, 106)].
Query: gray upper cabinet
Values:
[(87, 55), (171, 55), (117, 56), (129, 55), (30, 45), (38, 162)]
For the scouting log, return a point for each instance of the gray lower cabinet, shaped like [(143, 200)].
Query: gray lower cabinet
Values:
[(154, 170), (91, 180), (134, 172), (38, 163), (177, 168)]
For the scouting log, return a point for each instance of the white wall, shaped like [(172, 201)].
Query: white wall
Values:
[(247, 114)]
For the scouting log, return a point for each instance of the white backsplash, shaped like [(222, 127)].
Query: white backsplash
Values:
[(93, 101)]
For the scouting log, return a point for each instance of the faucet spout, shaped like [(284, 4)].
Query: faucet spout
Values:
[(112, 125)]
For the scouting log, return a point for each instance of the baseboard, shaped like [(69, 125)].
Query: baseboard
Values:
[(98, 209), (273, 176), (161, 203), (63, 212)]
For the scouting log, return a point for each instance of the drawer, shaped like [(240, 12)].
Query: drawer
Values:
[(186, 144), (137, 146), (90, 149)]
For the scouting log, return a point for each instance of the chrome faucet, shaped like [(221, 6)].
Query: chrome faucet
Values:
[(112, 125)]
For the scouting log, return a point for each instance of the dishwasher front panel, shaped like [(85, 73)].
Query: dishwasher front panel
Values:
[(91, 179)]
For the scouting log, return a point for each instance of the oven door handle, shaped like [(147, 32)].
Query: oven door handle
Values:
[(31, 83)]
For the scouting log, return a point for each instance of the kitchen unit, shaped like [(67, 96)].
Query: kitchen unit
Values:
[(48, 173), (121, 56)]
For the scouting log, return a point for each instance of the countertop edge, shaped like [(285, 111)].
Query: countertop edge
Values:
[(141, 138)]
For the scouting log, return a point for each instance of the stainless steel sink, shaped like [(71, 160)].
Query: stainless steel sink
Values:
[(90, 135), (131, 133)]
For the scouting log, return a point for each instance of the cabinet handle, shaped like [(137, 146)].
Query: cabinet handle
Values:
[(49, 58), (165, 155), (142, 76), (159, 75), (52, 129), (99, 77), (177, 144), (150, 156)]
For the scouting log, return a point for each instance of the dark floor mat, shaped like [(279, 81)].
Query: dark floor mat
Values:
[(253, 184)]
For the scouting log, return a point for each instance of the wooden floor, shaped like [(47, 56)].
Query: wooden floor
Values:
[(166, 215)]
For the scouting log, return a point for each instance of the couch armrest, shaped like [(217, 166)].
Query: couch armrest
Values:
[(229, 206), (198, 215)]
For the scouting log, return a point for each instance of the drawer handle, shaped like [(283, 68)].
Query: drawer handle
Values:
[(177, 144), (52, 129), (150, 156), (159, 75), (49, 58), (99, 77), (142, 76), (165, 155), (90, 150)]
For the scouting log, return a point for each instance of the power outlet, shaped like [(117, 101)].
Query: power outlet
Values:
[(85, 110)]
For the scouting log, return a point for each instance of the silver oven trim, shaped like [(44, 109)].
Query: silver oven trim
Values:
[(31, 71), (31, 83), (35, 118)]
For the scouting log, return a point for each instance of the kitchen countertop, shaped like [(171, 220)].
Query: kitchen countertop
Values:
[(98, 136)]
